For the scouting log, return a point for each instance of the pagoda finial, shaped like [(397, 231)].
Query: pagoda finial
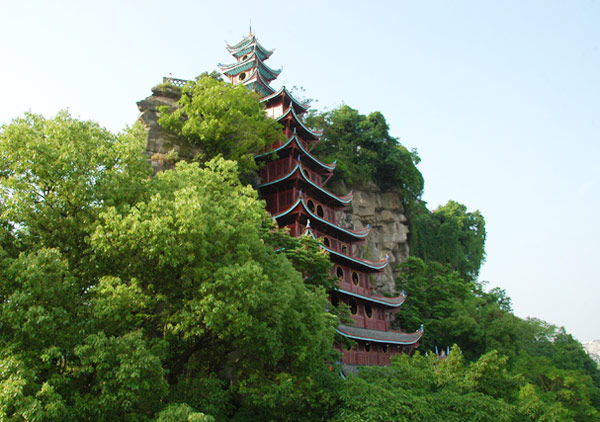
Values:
[(250, 27)]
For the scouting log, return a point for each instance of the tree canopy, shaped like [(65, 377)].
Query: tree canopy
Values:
[(365, 151), (126, 297), (223, 119)]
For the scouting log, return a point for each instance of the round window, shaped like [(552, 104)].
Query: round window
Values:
[(245, 57), (368, 310), (311, 205), (242, 76), (339, 272), (320, 211), (355, 278), (353, 307), (367, 347)]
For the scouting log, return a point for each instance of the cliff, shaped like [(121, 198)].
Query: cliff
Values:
[(383, 210)]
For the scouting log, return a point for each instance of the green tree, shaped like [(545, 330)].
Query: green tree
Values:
[(366, 151), (126, 297), (450, 235), (206, 116)]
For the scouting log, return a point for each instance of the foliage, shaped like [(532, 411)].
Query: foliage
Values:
[(125, 297), (366, 151), (222, 119), (449, 235)]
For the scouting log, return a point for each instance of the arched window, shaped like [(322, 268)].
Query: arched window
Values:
[(367, 347), (326, 242), (320, 211), (385, 348), (340, 273), (355, 278), (311, 205), (368, 310), (353, 307)]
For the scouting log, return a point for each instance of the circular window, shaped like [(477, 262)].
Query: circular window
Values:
[(245, 57), (311, 205), (320, 211), (326, 242), (385, 348), (339, 272), (242, 76), (368, 310), (355, 278), (353, 307), (367, 347)]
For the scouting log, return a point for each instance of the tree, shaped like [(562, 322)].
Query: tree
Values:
[(366, 151), (126, 297), (207, 117), (449, 235)]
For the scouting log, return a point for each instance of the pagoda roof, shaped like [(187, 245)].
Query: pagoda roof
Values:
[(343, 200), (373, 265), (393, 302), (290, 112), (248, 44), (239, 67), (283, 92), (256, 83), (297, 142), (376, 336), (359, 234)]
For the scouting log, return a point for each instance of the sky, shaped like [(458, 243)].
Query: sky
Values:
[(500, 99)]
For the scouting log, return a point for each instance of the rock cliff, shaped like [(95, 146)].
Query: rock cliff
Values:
[(382, 210)]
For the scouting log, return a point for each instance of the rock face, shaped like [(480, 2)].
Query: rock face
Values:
[(163, 148), (383, 210)]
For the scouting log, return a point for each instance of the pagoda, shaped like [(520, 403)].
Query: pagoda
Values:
[(292, 183)]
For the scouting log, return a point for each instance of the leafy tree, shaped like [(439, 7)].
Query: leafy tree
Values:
[(366, 152), (125, 297), (205, 115), (450, 235)]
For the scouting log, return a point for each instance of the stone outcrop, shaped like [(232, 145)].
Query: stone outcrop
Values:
[(383, 210), (163, 148), (593, 349)]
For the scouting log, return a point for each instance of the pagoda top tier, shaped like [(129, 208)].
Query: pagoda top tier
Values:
[(248, 45), (250, 69)]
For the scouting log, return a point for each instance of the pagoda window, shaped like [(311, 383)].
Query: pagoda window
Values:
[(335, 300), (353, 307), (311, 205), (244, 58), (345, 251), (242, 76), (355, 278), (368, 310), (307, 174), (340, 273), (385, 348), (326, 242), (320, 212), (367, 347)]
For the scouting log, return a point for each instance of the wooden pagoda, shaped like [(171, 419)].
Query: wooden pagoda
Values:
[(292, 185)]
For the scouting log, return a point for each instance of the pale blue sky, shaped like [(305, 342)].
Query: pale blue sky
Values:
[(501, 99)]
